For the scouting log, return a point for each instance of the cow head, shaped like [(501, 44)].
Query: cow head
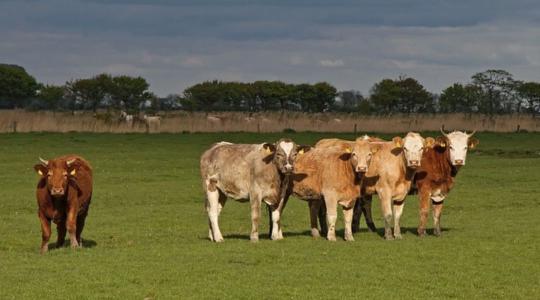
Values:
[(283, 154), (457, 143), (412, 145), (361, 153), (56, 173)]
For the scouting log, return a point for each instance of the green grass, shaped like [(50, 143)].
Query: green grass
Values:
[(146, 233)]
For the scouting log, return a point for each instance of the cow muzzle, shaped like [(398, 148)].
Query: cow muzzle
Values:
[(459, 162), (414, 163), (361, 169), (57, 191)]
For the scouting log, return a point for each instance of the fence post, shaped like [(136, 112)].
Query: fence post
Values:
[(258, 127), (355, 128), (14, 126)]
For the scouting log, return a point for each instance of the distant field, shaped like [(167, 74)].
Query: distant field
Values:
[(146, 235)]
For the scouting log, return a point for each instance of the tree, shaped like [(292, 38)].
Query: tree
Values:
[(413, 97), (203, 96), (384, 96), (498, 88), (51, 96), (460, 98), (530, 92), (16, 86), (129, 93), (90, 93)]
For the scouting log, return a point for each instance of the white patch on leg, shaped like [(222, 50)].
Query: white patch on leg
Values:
[(213, 214), (275, 224), (437, 196)]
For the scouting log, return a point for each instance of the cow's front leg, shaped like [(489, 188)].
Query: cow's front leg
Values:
[(348, 216), (331, 217), (61, 229), (437, 210), (276, 226), (45, 232), (386, 209), (71, 224), (398, 211), (255, 216)]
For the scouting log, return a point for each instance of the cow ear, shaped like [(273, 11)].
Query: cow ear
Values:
[(441, 141), (269, 148), (473, 142), (301, 149), (398, 142), (41, 170), (375, 147), (429, 142)]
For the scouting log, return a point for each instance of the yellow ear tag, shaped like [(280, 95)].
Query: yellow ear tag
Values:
[(268, 150), (442, 144), (398, 144), (73, 172), (301, 151), (348, 150), (40, 173)]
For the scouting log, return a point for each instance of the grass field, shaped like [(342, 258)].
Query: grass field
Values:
[(146, 234)]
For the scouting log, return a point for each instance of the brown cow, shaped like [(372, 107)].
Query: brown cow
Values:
[(332, 174), (64, 191), (435, 177)]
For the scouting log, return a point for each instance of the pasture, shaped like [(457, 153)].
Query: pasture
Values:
[(146, 233)]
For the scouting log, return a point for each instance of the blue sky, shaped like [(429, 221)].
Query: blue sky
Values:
[(351, 44)]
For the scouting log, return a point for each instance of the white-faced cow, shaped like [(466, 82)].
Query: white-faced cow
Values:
[(391, 174), (435, 177), (255, 172)]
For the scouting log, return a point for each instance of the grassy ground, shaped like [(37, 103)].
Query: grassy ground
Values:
[(146, 235)]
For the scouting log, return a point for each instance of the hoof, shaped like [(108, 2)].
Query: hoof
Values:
[(332, 238), (371, 227), (398, 237), (315, 233), (349, 238), (437, 233), (388, 237)]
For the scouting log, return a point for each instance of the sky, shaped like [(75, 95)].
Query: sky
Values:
[(351, 44)]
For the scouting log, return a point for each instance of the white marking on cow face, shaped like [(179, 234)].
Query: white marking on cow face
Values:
[(457, 143), (287, 148), (413, 147)]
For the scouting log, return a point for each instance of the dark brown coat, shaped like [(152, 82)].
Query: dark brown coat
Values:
[(64, 191)]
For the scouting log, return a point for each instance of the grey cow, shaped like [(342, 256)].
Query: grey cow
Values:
[(254, 172)]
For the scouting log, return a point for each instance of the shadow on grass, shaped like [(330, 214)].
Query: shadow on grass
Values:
[(413, 230), (85, 244)]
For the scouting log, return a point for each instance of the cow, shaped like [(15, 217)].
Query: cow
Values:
[(390, 176), (152, 121), (435, 177), (64, 192), (126, 117), (254, 172), (363, 204), (333, 175)]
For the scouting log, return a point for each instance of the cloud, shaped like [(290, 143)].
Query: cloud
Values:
[(177, 43), (331, 63)]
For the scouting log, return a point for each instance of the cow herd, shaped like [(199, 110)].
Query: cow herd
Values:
[(334, 173), (329, 174)]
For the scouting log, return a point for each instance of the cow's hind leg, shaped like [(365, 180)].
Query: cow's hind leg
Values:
[(366, 209), (348, 216), (437, 210), (314, 207), (213, 208), (398, 211), (322, 218), (424, 199), (357, 215), (80, 226)]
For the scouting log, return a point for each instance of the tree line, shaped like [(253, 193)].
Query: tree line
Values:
[(489, 92)]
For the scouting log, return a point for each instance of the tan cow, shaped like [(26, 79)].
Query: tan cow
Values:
[(254, 172), (390, 176), (332, 174)]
